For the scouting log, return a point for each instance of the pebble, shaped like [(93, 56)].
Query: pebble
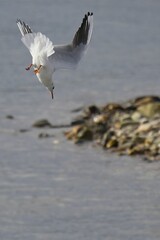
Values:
[(42, 123), (130, 128)]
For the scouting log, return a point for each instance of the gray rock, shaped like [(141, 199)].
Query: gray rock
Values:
[(42, 123)]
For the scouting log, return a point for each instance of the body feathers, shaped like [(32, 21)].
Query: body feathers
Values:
[(46, 58)]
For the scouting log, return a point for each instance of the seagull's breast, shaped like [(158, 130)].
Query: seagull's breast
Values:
[(45, 75)]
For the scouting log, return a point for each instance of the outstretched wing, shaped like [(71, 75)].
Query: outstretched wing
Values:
[(67, 56)]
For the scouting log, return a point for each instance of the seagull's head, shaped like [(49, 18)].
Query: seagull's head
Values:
[(51, 91), (50, 86)]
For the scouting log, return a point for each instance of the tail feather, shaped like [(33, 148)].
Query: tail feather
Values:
[(37, 43), (23, 27)]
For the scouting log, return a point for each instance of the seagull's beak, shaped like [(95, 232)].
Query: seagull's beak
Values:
[(52, 94)]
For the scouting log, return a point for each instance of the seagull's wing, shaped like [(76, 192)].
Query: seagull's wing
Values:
[(67, 56), (37, 43)]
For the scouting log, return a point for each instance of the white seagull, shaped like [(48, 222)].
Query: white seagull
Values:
[(47, 58)]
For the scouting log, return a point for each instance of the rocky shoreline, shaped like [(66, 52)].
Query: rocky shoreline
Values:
[(128, 128)]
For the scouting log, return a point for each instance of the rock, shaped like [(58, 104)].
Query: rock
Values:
[(138, 149), (10, 117), (85, 134), (148, 126), (136, 116), (72, 134), (107, 137), (112, 107), (42, 123), (131, 128), (100, 119), (45, 135), (149, 109), (79, 134), (91, 110), (145, 100), (112, 143), (23, 130)]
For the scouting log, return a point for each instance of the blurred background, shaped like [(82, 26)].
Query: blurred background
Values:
[(52, 189)]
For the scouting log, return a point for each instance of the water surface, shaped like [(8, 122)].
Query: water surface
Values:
[(50, 188)]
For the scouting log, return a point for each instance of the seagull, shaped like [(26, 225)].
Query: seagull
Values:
[(47, 58)]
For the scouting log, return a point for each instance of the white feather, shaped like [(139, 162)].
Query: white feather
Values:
[(69, 55), (38, 43), (47, 58)]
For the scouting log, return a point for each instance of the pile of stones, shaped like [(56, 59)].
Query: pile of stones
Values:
[(128, 128)]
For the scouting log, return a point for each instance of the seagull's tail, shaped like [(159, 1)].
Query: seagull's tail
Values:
[(35, 42), (38, 44), (23, 27)]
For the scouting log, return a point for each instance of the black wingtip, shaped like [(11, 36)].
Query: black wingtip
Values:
[(90, 14), (81, 36)]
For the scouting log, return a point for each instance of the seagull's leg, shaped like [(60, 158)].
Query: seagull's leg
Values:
[(29, 67), (38, 69)]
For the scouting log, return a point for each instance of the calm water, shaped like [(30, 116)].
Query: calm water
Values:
[(50, 188)]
